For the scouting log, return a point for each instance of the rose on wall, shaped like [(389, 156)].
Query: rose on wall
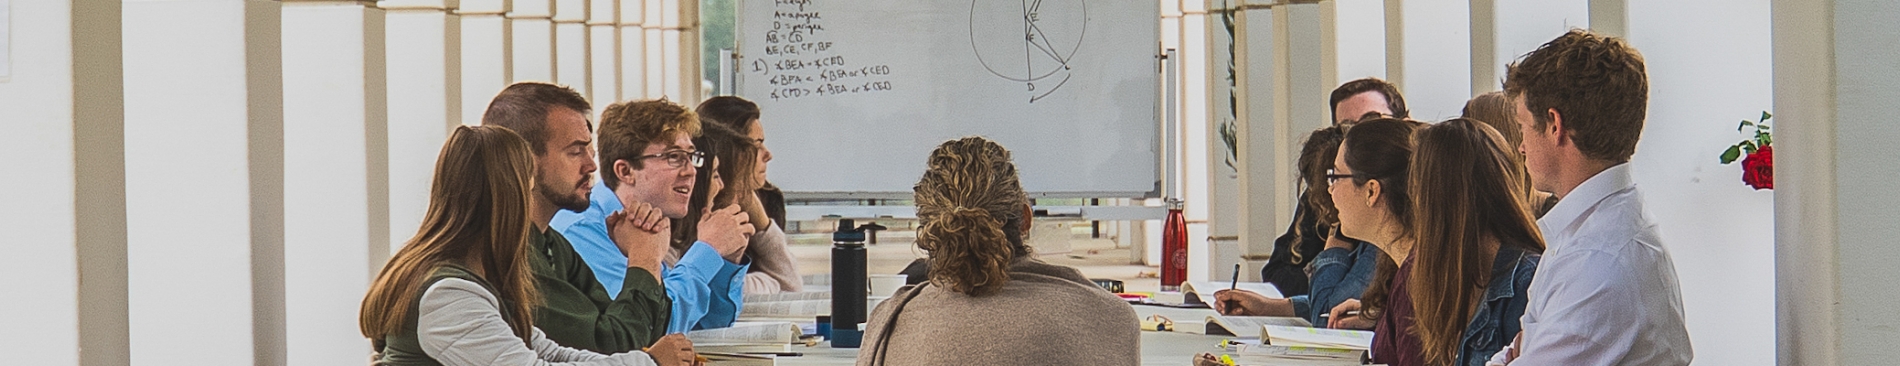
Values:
[(1757, 153)]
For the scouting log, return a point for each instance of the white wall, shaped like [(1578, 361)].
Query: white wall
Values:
[(1433, 64), (1709, 69)]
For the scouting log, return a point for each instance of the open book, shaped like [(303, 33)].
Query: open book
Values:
[(745, 337), (1249, 326), (1288, 345), (790, 309), (1202, 292)]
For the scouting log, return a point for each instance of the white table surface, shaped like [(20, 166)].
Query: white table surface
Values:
[(1157, 348)]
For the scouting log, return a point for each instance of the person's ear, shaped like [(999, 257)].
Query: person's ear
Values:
[(1373, 188), (1028, 214), (1556, 127), (624, 171)]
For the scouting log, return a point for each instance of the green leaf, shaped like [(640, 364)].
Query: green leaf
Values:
[(1765, 116), (1748, 146), (1765, 138), (1734, 152), (1745, 124)]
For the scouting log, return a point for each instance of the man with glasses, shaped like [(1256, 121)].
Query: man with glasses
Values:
[(647, 151), (575, 310)]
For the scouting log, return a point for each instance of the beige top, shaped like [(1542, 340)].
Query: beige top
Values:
[(1045, 315), (773, 269)]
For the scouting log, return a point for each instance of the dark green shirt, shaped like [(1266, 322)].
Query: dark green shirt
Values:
[(575, 310)]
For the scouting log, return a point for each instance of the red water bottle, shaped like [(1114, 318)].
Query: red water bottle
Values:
[(1174, 249)]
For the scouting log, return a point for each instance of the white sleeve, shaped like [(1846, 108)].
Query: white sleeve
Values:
[(460, 323)]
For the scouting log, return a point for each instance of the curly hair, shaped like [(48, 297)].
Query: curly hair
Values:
[(971, 206), (1596, 83), (627, 127)]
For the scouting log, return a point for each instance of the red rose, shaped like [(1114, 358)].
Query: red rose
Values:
[(1758, 169)]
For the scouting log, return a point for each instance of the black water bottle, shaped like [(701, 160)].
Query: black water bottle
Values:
[(848, 287)]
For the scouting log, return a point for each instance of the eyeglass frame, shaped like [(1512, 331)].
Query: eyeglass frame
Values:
[(1332, 176), (695, 157)]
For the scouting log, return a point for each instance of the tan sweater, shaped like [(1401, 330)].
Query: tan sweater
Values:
[(1045, 315), (773, 269)]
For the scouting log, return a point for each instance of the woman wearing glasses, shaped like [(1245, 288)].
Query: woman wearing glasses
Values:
[(1339, 267), (1370, 188)]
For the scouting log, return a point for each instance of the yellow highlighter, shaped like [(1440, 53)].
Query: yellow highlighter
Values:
[(1227, 360)]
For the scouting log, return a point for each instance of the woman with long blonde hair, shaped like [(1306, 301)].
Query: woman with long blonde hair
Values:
[(460, 292)]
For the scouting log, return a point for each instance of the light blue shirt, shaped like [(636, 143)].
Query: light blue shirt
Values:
[(707, 291)]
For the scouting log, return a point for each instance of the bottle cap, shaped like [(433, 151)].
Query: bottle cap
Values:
[(847, 232)]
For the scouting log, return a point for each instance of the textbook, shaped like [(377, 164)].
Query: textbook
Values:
[(1249, 326), (747, 337), (738, 358), (1279, 335), (1203, 291), (789, 309)]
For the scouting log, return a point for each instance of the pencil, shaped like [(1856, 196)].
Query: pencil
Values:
[(1236, 280)]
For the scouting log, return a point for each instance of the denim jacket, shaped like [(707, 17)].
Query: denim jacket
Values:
[(1338, 274), (1495, 323)]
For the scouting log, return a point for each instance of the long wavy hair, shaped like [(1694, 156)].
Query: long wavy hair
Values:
[(1500, 112), (971, 206), (1381, 149), (1464, 187), (477, 218), (731, 155)]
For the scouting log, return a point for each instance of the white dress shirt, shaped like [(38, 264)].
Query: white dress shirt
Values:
[(1606, 292)]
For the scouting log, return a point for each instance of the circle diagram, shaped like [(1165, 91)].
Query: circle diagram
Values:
[(1029, 41)]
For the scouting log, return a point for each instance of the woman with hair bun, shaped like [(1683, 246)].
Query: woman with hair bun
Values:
[(987, 301)]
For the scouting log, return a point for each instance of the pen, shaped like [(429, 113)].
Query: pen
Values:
[(1236, 280)]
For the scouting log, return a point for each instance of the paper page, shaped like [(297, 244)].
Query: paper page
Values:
[(1249, 326), (788, 296), (1205, 289), (747, 332), (1300, 352), (1316, 337), (801, 309)]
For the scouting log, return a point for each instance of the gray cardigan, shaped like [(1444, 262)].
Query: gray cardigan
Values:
[(460, 324)]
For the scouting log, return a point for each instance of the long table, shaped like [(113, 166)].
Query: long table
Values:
[(1157, 348)]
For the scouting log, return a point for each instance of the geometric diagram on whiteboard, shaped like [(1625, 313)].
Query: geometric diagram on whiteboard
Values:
[(1028, 41)]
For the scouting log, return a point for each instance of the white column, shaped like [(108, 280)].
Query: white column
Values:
[(1197, 130), (487, 55), (1503, 30), (603, 43), (203, 190), (1223, 216), (1430, 57), (1258, 187), (424, 46), (678, 32), (1699, 89), (1834, 86), (633, 50), (65, 110), (533, 36), (1353, 36), (653, 50), (336, 220), (571, 45)]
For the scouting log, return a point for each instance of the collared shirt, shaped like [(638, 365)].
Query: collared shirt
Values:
[(1606, 291), (576, 311), (706, 290)]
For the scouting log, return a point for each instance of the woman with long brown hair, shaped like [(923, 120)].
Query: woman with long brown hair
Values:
[(460, 292), (987, 301), (1498, 111), (1477, 246), (1369, 186)]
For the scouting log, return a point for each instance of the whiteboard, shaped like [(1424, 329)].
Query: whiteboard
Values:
[(856, 93)]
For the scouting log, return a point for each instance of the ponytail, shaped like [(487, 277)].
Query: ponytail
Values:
[(971, 205)]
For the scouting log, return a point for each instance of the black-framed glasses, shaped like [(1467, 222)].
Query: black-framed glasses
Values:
[(679, 158), (1333, 176)]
